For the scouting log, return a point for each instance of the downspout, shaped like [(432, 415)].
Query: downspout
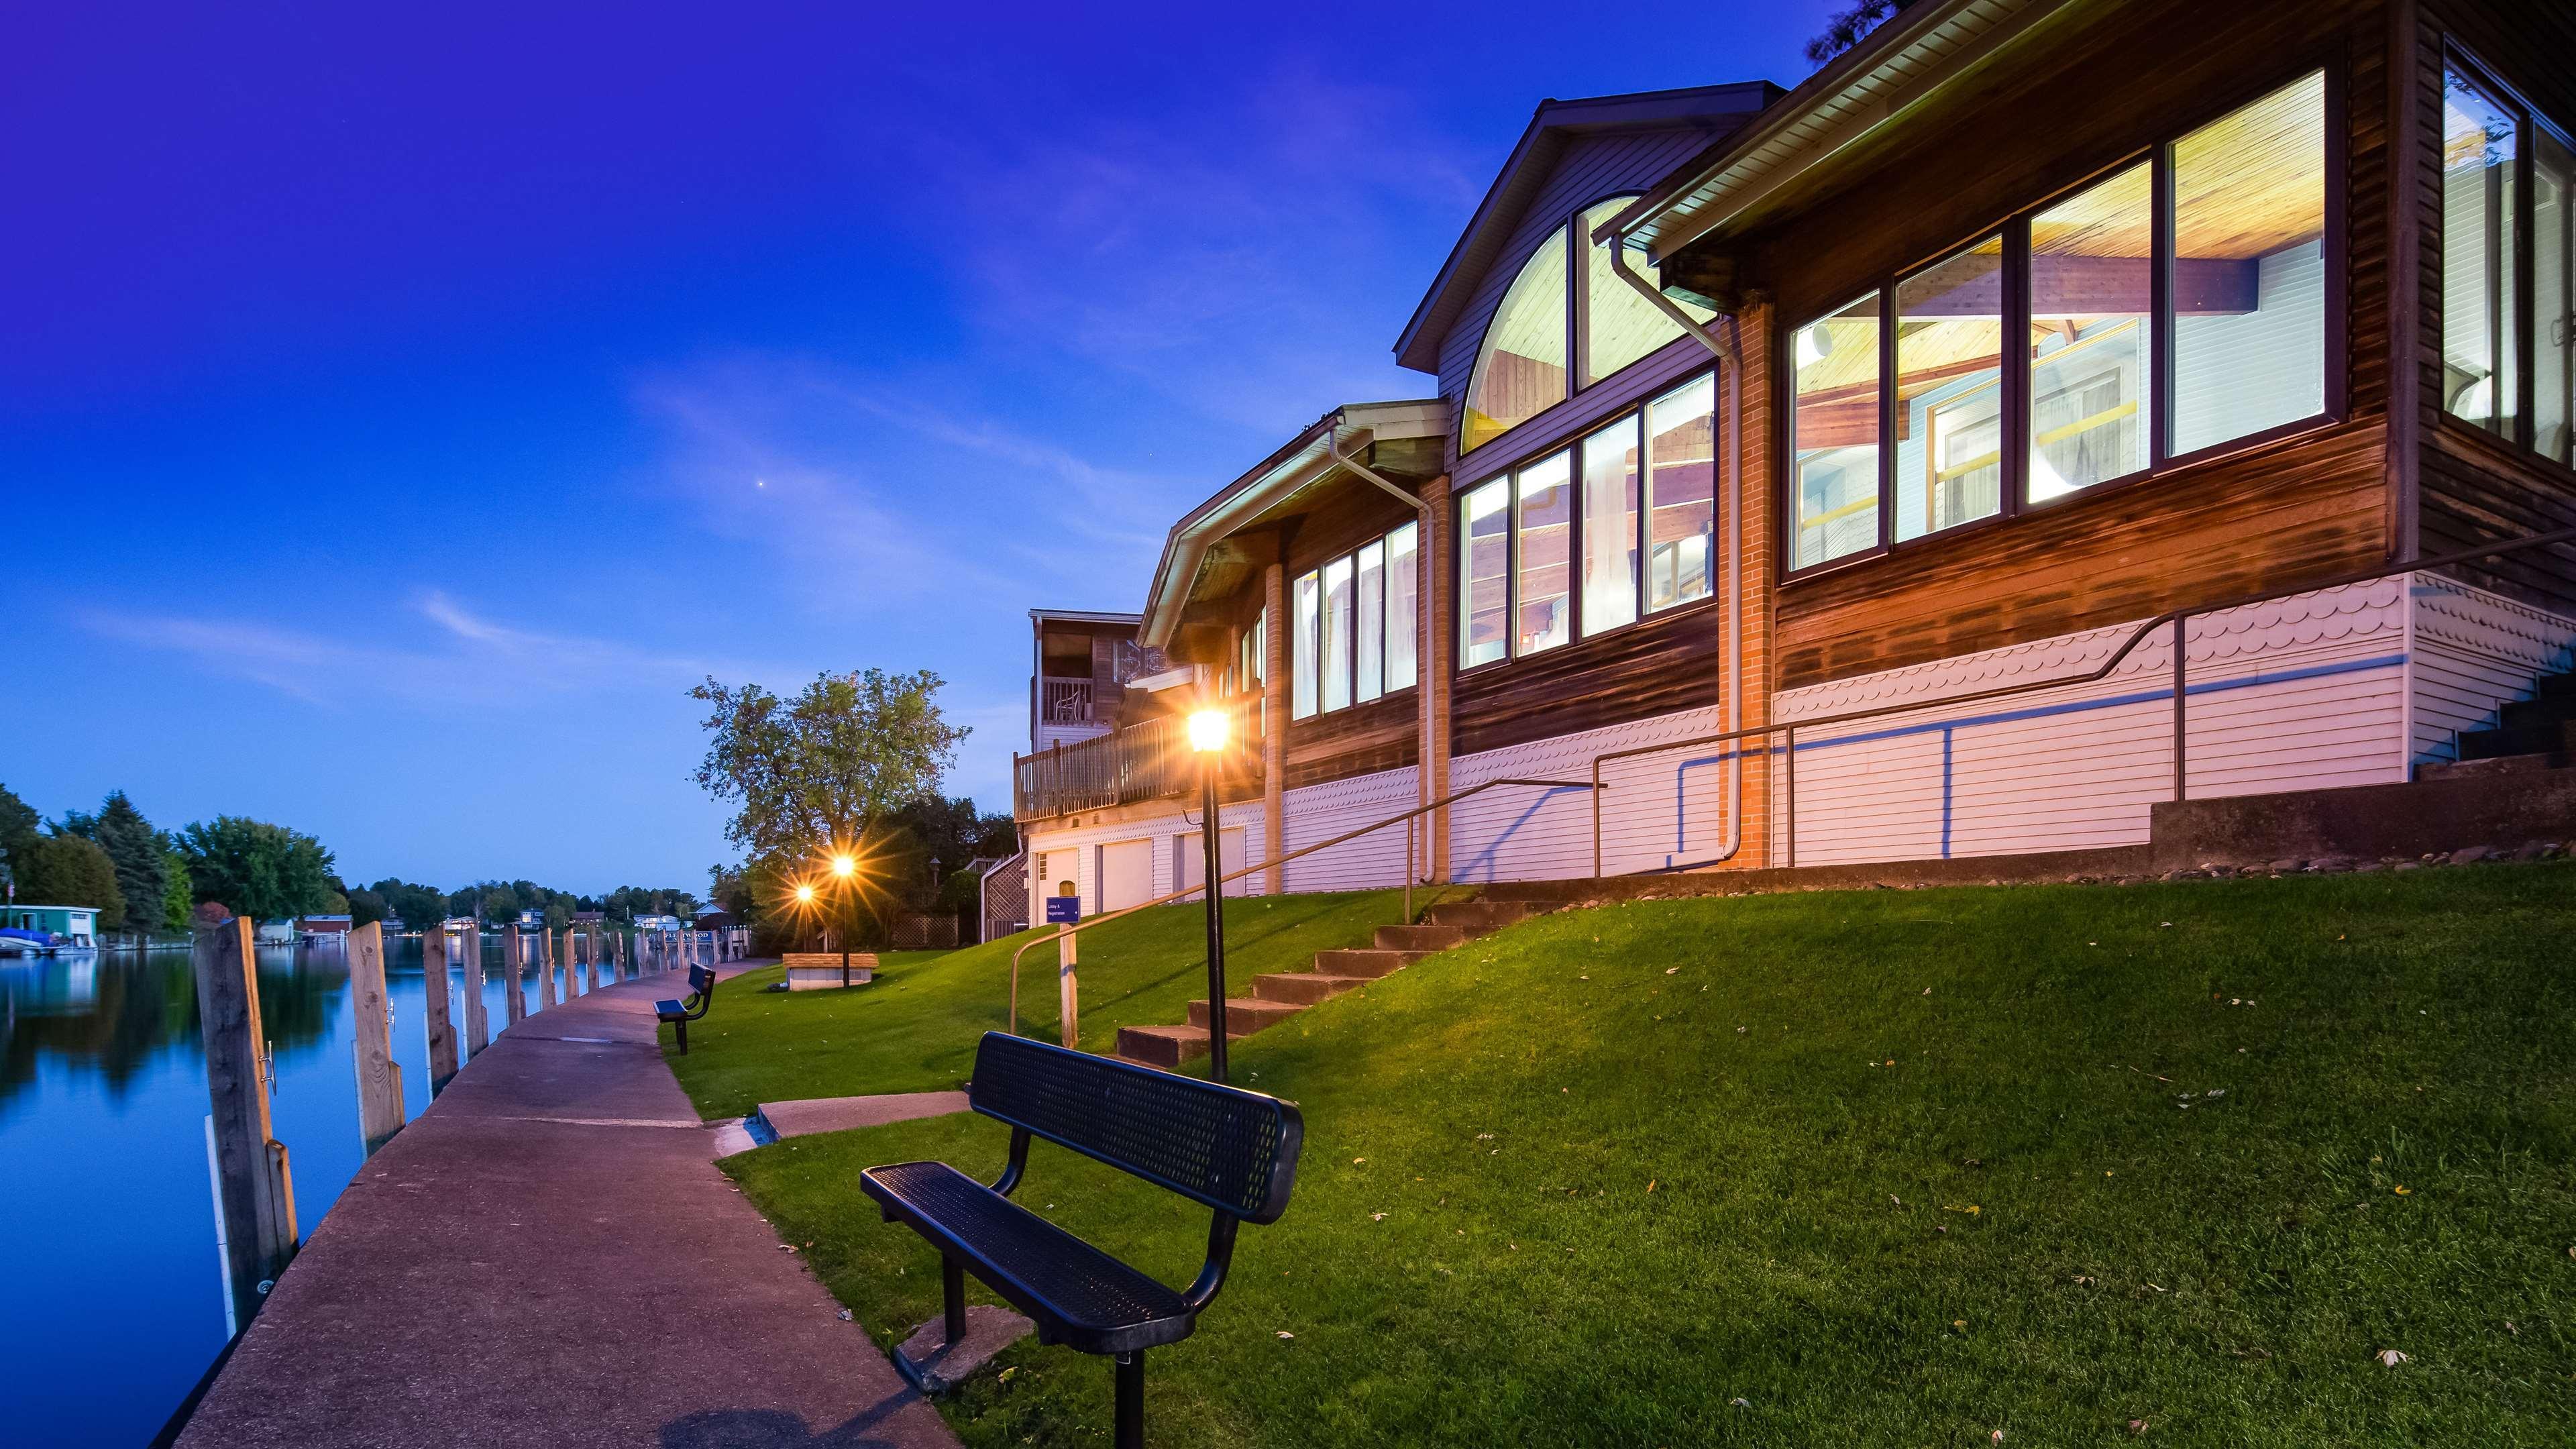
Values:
[(1730, 362), (1423, 626)]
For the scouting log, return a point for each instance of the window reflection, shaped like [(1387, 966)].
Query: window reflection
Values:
[(1949, 392), (1545, 504), (1835, 434), (1337, 634), (1485, 558), (1681, 449), (2248, 275), (2478, 294), (1403, 588), (2092, 274), (1610, 527)]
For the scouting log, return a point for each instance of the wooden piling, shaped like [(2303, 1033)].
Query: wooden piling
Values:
[(514, 952), (380, 1093), (433, 1008), (254, 1188), (590, 958), (478, 1016), (546, 970), (572, 964)]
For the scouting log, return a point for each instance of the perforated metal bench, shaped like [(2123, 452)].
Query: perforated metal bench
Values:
[(1229, 1150), (702, 990)]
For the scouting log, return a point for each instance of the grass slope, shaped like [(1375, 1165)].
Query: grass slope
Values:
[(914, 1028), (1892, 1168)]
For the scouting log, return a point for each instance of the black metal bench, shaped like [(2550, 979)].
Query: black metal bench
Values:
[(1227, 1149), (702, 990)]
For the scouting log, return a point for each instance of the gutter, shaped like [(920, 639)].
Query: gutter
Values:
[(1730, 363), (1423, 656)]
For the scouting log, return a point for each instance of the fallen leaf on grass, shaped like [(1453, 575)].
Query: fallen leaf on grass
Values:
[(1004, 1376), (1283, 1333), (1672, 970), (1377, 1217), (1650, 1184), (2404, 1191), (2390, 1358)]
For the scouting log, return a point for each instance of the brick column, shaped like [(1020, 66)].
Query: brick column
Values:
[(1274, 731)]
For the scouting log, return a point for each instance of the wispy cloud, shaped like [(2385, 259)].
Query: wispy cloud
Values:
[(447, 652)]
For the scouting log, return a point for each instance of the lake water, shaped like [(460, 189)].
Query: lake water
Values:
[(114, 1300)]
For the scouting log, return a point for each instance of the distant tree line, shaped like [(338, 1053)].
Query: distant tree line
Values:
[(142, 878)]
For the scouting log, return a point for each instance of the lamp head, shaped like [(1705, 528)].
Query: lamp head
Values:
[(1208, 730), (804, 894), (844, 866)]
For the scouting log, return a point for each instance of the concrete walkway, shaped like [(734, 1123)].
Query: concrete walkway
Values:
[(549, 1256)]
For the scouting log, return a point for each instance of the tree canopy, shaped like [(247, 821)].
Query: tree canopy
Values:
[(1850, 26), (67, 870), (828, 765), (260, 870), (132, 846)]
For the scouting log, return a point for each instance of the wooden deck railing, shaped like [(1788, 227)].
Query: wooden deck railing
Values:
[(1150, 760)]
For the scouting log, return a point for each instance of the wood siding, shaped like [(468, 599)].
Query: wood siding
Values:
[(2475, 488), (2271, 517), (1670, 662)]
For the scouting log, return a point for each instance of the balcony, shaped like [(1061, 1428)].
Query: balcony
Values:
[(1067, 702), (1147, 761)]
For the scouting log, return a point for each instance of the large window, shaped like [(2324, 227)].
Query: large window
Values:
[(1558, 323), (2506, 333), (1354, 642), (1913, 417), (1642, 488)]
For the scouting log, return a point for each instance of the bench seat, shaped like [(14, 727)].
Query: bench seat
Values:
[(1076, 1294), (670, 1011)]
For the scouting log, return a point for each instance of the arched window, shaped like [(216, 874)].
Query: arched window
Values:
[(1523, 367), (1619, 327), (1520, 371)]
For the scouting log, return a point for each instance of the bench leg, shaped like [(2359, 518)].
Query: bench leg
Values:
[(682, 1028), (1131, 1401), (952, 1286)]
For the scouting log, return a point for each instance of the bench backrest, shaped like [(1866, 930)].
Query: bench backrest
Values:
[(1233, 1150), (702, 980)]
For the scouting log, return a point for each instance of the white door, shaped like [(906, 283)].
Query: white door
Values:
[(1189, 860), (1126, 875)]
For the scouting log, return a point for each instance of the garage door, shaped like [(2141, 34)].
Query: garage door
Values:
[(1126, 875), (1189, 859)]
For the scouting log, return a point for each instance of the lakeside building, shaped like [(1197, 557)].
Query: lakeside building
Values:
[(76, 924), (2008, 332)]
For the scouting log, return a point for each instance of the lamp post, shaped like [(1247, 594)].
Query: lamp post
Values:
[(1207, 741), (844, 870)]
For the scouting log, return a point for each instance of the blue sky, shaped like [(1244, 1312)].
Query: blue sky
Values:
[(398, 411)]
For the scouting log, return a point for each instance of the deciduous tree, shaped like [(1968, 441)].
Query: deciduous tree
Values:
[(263, 871), (827, 765), (69, 870)]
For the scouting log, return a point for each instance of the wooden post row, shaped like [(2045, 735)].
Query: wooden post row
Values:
[(433, 1004), (514, 953), (478, 1016), (590, 958), (546, 970), (380, 1093), (254, 1188), (572, 964)]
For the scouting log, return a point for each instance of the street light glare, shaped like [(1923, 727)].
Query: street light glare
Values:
[(804, 893), (1207, 730), (842, 865)]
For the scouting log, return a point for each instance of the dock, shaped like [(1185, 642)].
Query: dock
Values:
[(549, 1255)]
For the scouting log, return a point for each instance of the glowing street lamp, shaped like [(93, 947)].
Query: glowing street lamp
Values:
[(804, 895), (1208, 729), (844, 867)]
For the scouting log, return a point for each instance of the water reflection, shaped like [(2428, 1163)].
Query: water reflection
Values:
[(103, 1156)]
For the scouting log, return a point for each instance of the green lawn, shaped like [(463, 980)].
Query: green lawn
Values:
[(1893, 1168), (914, 1028)]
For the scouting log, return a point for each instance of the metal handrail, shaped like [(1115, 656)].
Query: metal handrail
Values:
[(1220, 882), (2178, 618)]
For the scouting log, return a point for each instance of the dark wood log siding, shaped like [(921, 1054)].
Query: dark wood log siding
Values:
[(1670, 662), (2300, 508), (2473, 488), (2304, 508), (1592, 168)]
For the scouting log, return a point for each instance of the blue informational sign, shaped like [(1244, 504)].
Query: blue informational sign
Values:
[(1064, 910)]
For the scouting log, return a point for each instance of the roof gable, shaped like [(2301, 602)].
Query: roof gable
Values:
[(1715, 111)]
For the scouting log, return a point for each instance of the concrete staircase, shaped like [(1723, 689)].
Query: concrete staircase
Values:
[(2538, 733), (1282, 994)]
